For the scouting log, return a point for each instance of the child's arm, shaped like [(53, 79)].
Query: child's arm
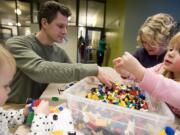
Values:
[(162, 88), (14, 117), (156, 85)]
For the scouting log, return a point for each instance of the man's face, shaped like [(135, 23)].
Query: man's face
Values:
[(57, 29)]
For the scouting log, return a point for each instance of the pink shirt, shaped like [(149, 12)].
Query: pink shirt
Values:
[(162, 88)]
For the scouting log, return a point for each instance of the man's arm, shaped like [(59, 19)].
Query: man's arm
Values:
[(44, 71)]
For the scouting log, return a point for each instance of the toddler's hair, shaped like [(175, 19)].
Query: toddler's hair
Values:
[(7, 58), (159, 28), (175, 40)]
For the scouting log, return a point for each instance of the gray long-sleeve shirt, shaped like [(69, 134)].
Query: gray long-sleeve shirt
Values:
[(38, 65)]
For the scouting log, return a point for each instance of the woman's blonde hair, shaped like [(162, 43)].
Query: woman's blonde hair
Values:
[(7, 58), (175, 40), (159, 28)]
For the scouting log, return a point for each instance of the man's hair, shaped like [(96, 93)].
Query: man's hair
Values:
[(50, 9), (159, 27)]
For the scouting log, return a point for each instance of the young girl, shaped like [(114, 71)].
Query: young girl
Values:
[(161, 81), (12, 118), (153, 37)]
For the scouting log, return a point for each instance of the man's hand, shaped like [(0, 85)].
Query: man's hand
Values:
[(105, 78)]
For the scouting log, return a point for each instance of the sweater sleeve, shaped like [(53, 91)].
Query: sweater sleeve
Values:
[(164, 89), (14, 117), (43, 71)]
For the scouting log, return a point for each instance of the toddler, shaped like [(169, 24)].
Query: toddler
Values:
[(12, 118)]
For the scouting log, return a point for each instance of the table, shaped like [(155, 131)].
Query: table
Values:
[(53, 89)]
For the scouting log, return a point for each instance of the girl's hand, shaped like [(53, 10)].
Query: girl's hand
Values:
[(42, 108), (130, 64), (118, 67)]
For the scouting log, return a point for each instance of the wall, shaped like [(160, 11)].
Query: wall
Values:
[(123, 19), (136, 13), (115, 20)]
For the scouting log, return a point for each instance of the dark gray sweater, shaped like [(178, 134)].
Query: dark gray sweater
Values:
[(148, 60), (38, 65)]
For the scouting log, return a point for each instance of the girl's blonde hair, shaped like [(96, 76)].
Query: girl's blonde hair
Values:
[(7, 58), (175, 40), (159, 28)]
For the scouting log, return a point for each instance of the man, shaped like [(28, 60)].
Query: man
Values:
[(40, 61)]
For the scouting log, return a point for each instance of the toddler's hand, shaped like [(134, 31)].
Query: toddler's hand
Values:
[(26, 110), (43, 108)]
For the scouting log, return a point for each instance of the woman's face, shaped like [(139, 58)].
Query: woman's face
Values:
[(6, 76), (152, 47)]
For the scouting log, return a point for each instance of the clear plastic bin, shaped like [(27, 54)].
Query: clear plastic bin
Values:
[(93, 117)]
